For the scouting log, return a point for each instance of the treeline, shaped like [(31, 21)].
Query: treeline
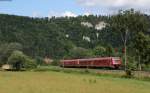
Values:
[(66, 37)]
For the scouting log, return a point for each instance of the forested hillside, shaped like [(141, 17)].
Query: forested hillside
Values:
[(63, 37), (52, 37)]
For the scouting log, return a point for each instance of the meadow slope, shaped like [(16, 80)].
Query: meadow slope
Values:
[(59, 82)]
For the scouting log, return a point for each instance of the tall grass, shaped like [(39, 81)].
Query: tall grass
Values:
[(116, 73), (58, 82)]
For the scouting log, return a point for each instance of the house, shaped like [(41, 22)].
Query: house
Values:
[(6, 67)]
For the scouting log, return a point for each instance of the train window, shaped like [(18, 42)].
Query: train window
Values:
[(116, 61)]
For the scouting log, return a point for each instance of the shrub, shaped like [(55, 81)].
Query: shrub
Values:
[(40, 61), (99, 51), (146, 67), (129, 73), (79, 52), (132, 64), (17, 59), (55, 62), (30, 63), (86, 71)]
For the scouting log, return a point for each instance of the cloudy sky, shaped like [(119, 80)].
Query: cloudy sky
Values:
[(42, 8)]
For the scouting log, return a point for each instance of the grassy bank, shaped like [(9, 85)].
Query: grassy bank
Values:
[(59, 82), (139, 75)]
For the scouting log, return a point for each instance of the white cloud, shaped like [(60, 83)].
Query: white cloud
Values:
[(87, 13), (36, 14), (52, 13), (112, 4), (62, 14), (69, 14)]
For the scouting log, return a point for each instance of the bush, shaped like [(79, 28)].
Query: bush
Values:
[(6, 50), (55, 62), (40, 61), (86, 71), (30, 63), (99, 51), (131, 63), (79, 52), (19, 60), (132, 66), (146, 67), (129, 73)]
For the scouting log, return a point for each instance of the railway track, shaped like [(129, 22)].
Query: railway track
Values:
[(115, 73), (112, 72)]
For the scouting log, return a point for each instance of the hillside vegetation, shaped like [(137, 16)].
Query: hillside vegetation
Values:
[(76, 37)]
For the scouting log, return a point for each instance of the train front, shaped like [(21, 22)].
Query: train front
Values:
[(116, 61)]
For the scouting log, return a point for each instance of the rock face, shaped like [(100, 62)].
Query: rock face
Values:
[(87, 38), (87, 24), (100, 25)]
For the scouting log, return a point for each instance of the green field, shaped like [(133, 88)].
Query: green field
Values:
[(59, 82)]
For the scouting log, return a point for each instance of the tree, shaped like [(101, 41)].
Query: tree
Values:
[(79, 52), (142, 45), (128, 23), (42, 37), (100, 51), (30, 63), (110, 51), (17, 59), (6, 50)]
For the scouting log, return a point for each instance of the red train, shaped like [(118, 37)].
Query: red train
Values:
[(111, 62)]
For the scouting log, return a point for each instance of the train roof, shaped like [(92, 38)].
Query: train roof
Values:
[(87, 59)]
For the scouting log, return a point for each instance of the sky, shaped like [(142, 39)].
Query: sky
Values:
[(49, 8)]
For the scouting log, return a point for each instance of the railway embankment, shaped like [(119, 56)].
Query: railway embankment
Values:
[(139, 75)]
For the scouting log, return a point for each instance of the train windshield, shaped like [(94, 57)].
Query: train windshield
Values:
[(116, 60)]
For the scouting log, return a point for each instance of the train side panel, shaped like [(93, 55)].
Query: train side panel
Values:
[(102, 63), (112, 62)]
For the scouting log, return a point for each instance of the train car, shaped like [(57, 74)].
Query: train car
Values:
[(111, 62)]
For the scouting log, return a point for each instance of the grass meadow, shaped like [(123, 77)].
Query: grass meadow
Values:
[(59, 82)]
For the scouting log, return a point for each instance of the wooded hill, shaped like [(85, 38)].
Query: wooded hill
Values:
[(63, 37), (47, 37)]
